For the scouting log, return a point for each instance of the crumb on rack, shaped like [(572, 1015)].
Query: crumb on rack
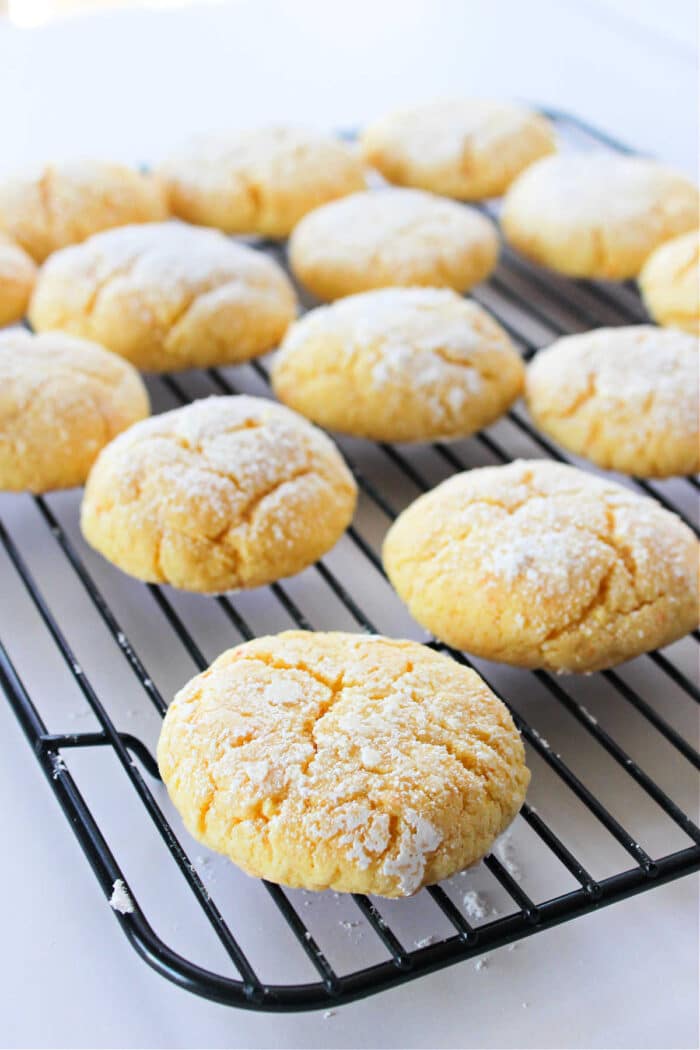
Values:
[(121, 899)]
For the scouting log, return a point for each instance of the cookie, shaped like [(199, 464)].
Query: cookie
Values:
[(541, 565), (261, 181), (391, 237), (166, 296), (61, 400), (226, 493), (625, 398), (17, 277), (466, 148), (345, 762), (597, 215), (670, 283), (399, 364), (64, 204)]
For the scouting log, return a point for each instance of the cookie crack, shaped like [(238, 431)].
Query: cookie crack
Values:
[(102, 286), (191, 301), (598, 600), (571, 410)]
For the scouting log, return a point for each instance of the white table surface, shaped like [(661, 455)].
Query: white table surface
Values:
[(130, 85)]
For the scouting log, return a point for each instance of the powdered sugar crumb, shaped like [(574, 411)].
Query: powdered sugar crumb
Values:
[(505, 851), (121, 899), (476, 906), (424, 942), (58, 766)]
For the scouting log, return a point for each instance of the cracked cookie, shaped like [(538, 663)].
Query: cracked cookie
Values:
[(166, 296), (392, 237), (63, 204), (538, 564), (262, 181), (670, 283), (341, 761), (597, 215), (223, 494), (17, 277), (468, 148), (625, 398), (399, 364), (61, 400)]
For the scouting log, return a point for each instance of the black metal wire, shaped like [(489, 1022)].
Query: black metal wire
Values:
[(247, 990)]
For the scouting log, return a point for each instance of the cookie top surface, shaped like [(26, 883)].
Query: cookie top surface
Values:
[(465, 148), (166, 296), (262, 181), (538, 564), (225, 493), (597, 214), (391, 237), (17, 277), (399, 364), (670, 283), (626, 398), (61, 400), (329, 760), (61, 204)]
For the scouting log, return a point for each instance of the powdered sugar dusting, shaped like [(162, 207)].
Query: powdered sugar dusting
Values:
[(418, 838), (547, 561)]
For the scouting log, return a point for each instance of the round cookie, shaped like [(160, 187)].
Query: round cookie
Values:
[(226, 493), (17, 277), (345, 762), (167, 296), (538, 564), (399, 364), (596, 215), (625, 398), (64, 204), (467, 148), (670, 283), (261, 181), (61, 400), (391, 237)]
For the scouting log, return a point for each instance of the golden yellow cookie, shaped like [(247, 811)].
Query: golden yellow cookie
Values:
[(391, 237), (261, 181), (61, 400), (538, 564), (226, 493), (597, 215), (625, 398), (468, 148), (670, 283), (63, 204), (399, 364), (166, 296), (17, 277), (345, 762)]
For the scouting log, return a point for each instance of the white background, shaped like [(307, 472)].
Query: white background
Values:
[(130, 85)]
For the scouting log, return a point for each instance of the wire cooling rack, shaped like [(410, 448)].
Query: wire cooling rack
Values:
[(613, 756)]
